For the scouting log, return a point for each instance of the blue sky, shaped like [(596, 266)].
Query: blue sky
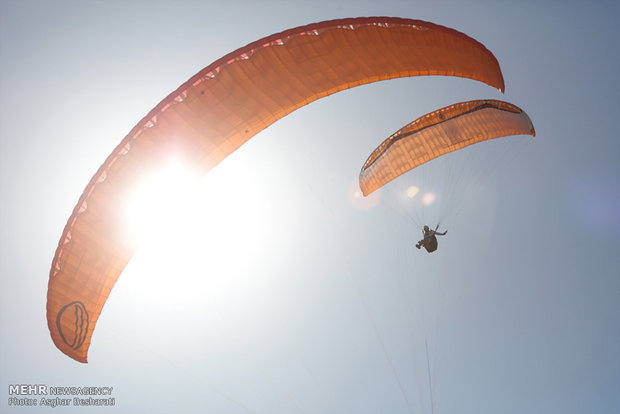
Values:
[(284, 297)]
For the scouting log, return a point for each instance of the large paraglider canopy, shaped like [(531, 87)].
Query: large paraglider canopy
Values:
[(213, 114), (440, 132)]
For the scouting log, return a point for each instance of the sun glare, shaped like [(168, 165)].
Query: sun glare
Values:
[(214, 233), (175, 212), (158, 204)]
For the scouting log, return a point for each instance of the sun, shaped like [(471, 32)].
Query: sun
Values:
[(154, 211), (213, 233), (174, 212)]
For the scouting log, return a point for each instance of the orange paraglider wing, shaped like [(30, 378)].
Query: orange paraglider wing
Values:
[(440, 132), (214, 113)]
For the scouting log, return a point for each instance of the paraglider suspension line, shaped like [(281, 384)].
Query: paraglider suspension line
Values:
[(430, 382)]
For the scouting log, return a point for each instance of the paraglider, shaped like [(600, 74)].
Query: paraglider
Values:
[(435, 134), (213, 114), (429, 241)]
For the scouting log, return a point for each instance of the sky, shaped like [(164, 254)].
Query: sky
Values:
[(281, 291)]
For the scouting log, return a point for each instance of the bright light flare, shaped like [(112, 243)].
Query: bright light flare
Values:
[(176, 215), (213, 234), (159, 204), (428, 198), (357, 199), (412, 191)]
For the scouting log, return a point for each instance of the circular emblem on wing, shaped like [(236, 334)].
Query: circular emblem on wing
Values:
[(72, 324)]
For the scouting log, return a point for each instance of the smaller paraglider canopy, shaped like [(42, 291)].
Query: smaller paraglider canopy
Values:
[(440, 132)]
